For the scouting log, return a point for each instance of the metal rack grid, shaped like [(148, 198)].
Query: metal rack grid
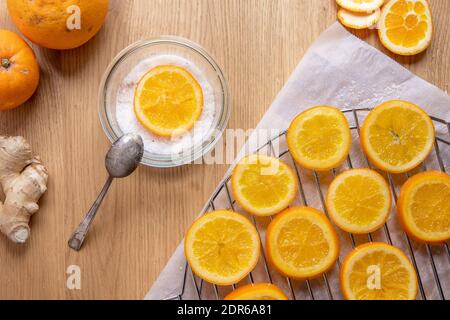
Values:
[(327, 286)]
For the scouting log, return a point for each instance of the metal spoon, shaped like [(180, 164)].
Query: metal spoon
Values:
[(121, 160)]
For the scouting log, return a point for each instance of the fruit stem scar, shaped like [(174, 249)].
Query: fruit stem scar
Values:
[(396, 136), (6, 63)]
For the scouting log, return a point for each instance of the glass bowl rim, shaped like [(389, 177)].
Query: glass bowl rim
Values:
[(224, 112)]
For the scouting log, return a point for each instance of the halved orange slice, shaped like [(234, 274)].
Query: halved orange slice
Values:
[(366, 6), (405, 26), (397, 136), (260, 291), (263, 185), (378, 271), (301, 243), (222, 247), (424, 206), (358, 20), (168, 101), (319, 138), (359, 201)]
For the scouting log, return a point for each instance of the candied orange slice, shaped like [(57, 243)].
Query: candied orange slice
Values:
[(359, 201), (319, 138), (259, 291), (301, 243), (168, 101), (222, 247), (378, 271), (424, 208), (263, 185), (397, 136)]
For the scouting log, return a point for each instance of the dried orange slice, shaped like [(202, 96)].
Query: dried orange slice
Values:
[(405, 26), (424, 206), (360, 5), (359, 201), (319, 138), (168, 101), (397, 136), (378, 271), (263, 185), (222, 247), (358, 20), (260, 291), (301, 243)]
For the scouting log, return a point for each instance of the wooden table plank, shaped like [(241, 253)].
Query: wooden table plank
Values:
[(257, 42)]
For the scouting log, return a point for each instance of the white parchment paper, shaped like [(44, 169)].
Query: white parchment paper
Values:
[(340, 70)]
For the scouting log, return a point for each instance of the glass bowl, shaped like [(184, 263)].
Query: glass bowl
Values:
[(131, 56)]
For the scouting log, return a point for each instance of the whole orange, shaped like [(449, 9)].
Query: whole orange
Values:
[(19, 70), (58, 24)]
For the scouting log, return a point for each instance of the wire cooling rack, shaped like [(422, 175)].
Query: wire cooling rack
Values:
[(431, 262)]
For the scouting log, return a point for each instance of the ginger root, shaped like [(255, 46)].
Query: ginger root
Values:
[(23, 180)]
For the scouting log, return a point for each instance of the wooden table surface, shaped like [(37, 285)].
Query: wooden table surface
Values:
[(257, 42)]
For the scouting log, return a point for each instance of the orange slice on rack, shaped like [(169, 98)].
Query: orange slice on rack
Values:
[(263, 185), (405, 26), (378, 271), (260, 291), (359, 201), (424, 206), (358, 20), (319, 138), (222, 247), (301, 243), (360, 5), (168, 101), (397, 136)]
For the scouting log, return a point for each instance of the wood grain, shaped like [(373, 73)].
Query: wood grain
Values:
[(257, 42)]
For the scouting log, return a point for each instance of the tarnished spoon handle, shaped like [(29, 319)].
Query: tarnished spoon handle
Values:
[(77, 238)]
